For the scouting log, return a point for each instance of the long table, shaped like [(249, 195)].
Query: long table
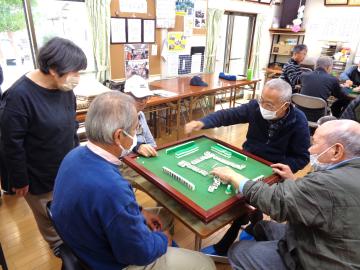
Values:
[(184, 91)]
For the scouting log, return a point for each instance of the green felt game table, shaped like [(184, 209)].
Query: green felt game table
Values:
[(206, 205)]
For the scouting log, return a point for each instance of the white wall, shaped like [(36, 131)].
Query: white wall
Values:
[(322, 22), (241, 6)]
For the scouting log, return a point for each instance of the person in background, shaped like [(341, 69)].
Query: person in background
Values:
[(291, 71), (94, 207), (352, 111), (278, 132), (319, 83), (38, 128), (351, 76), (138, 88), (321, 209), (1, 79)]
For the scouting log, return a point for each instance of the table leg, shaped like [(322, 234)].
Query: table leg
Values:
[(254, 90), (178, 111), (232, 90), (191, 108), (197, 243)]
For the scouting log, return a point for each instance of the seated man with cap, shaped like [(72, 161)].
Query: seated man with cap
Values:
[(138, 88), (277, 132), (94, 208)]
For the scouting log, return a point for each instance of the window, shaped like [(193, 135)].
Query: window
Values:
[(234, 47), (66, 19)]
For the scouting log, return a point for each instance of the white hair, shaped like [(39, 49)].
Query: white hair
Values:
[(107, 113), (282, 87), (347, 133)]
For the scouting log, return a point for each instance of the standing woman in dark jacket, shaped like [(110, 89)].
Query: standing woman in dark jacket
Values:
[(1, 79), (38, 127)]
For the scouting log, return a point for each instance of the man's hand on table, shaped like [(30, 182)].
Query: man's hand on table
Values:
[(283, 170), (193, 126), (228, 175), (147, 150), (348, 83)]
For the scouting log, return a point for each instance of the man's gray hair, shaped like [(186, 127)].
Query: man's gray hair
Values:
[(324, 62), (346, 132), (282, 87), (107, 113)]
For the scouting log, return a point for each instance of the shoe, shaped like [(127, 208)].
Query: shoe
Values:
[(174, 244), (245, 236), (209, 250)]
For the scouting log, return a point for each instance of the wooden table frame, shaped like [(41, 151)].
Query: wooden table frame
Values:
[(204, 215), (200, 228)]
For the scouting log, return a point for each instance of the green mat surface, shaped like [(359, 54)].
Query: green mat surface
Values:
[(200, 195)]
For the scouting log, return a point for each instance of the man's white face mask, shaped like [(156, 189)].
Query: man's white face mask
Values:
[(269, 115), (316, 164), (124, 151)]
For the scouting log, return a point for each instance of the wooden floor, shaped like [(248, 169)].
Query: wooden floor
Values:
[(25, 249)]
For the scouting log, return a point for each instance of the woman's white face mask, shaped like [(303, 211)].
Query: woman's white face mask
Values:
[(70, 83)]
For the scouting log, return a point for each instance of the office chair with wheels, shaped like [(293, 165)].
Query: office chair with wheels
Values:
[(69, 260)]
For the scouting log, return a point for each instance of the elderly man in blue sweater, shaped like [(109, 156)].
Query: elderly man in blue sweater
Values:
[(278, 132), (94, 207)]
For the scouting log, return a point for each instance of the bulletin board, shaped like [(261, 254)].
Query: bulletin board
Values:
[(117, 54)]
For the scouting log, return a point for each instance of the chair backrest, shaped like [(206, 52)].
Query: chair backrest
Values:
[(305, 69), (69, 259), (308, 104)]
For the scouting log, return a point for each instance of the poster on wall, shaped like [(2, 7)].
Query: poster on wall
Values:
[(165, 13), (176, 41), (118, 30), (200, 14), (134, 30), (131, 6), (354, 3), (188, 25), (137, 60), (184, 7)]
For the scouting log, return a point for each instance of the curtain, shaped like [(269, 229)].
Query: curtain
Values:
[(255, 63), (212, 36), (99, 17)]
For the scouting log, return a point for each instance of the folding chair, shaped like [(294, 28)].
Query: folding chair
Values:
[(313, 107)]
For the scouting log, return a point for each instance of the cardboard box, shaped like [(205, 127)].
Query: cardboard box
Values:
[(282, 49)]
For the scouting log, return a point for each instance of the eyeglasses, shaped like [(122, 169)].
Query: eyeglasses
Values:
[(267, 105)]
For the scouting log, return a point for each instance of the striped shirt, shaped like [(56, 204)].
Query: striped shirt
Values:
[(291, 73)]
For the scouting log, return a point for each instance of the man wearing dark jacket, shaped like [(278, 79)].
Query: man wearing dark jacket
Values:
[(278, 132), (321, 84), (352, 111), (321, 209), (351, 76), (1, 79), (291, 71)]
